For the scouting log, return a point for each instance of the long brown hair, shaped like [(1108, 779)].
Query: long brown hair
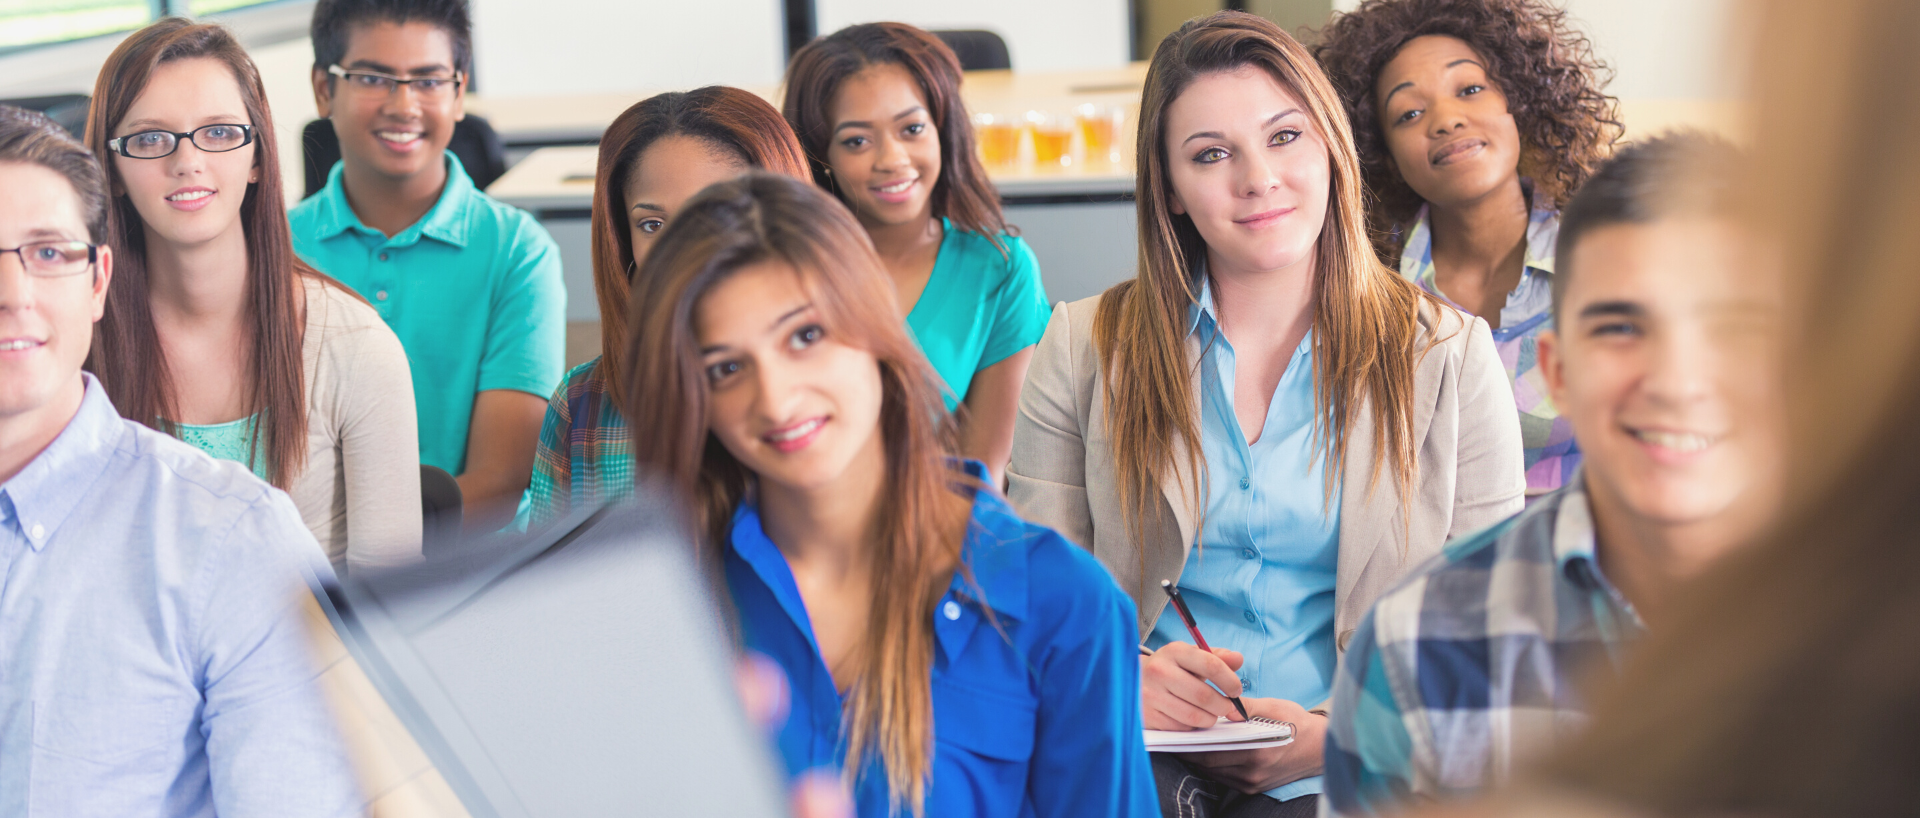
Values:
[(920, 523), (962, 194), (126, 354), (728, 119), (1364, 316), (1811, 636)]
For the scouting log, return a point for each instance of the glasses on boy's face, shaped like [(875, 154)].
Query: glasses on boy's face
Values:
[(156, 144), (55, 259), (376, 83)]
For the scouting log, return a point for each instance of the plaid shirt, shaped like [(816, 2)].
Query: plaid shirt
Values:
[(586, 453), (1470, 664), (1545, 436)]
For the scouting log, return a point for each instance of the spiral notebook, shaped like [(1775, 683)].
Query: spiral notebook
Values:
[(1254, 734)]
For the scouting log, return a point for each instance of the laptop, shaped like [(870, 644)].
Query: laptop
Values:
[(582, 670)]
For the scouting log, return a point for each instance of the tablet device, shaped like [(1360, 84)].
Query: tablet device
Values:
[(582, 670)]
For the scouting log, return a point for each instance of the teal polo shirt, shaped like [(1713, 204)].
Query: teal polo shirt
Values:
[(473, 290), (980, 306)]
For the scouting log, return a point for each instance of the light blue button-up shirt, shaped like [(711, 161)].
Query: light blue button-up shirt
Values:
[(1261, 581), (153, 659)]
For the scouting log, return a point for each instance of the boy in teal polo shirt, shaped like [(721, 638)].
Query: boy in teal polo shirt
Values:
[(471, 286)]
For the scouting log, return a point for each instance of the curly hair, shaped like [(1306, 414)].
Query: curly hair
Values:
[(1544, 66)]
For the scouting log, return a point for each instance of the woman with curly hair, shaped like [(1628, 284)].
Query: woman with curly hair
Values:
[(1475, 121)]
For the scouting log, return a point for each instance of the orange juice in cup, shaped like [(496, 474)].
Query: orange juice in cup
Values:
[(999, 139), (1052, 139), (1099, 130)]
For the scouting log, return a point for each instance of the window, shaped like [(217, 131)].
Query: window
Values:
[(33, 22)]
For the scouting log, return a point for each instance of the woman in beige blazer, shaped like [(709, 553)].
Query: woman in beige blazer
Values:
[(1261, 324)]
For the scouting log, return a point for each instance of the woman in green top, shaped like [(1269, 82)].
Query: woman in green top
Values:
[(877, 107), (653, 158)]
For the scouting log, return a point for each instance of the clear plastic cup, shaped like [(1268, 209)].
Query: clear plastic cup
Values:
[(1052, 138), (1100, 130), (999, 139)]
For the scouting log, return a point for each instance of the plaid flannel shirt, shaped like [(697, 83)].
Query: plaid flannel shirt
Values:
[(1546, 438), (1470, 665), (585, 455)]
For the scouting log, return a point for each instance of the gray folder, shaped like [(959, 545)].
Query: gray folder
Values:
[(580, 671)]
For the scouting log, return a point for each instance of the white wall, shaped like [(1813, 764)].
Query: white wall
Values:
[(562, 47), (1659, 49), (1041, 35)]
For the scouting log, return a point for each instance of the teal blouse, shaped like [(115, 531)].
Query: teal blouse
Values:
[(232, 440), (980, 306)]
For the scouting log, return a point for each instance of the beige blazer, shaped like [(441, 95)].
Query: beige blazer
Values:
[(1469, 464)]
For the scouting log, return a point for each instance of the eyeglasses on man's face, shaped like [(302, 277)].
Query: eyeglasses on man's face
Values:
[(55, 259), (157, 143), (376, 83)]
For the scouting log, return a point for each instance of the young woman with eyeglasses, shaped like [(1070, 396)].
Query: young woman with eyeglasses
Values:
[(214, 332)]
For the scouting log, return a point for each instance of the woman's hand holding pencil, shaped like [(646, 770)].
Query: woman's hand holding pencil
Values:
[(1184, 687)]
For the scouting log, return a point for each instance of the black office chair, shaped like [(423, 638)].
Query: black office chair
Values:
[(440, 509), (69, 110), (479, 147), (978, 50)]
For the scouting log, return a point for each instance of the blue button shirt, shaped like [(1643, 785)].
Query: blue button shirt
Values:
[(155, 659), (1044, 720), (1261, 581), (473, 290)]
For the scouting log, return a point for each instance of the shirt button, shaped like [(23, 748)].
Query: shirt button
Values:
[(380, 296), (1246, 685), (951, 609), (1245, 483), (1248, 553), (1251, 617), (38, 531), (383, 256)]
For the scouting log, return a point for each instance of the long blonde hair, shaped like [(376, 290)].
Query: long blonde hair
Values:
[(921, 521), (1365, 317), (1818, 623)]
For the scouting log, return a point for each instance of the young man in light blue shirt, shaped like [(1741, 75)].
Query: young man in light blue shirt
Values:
[(153, 659), (471, 286)]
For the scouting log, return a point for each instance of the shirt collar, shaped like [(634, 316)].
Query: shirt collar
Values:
[(1573, 527), (1575, 549), (1543, 234), (446, 222), (993, 552), (45, 492), (1203, 318), (1202, 306)]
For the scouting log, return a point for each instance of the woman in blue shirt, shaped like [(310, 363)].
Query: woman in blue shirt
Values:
[(877, 107), (1265, 415), (900, 594)]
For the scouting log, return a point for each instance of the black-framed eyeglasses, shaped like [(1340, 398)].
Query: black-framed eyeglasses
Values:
[(376, 82), (156, 143), (55, 259)]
